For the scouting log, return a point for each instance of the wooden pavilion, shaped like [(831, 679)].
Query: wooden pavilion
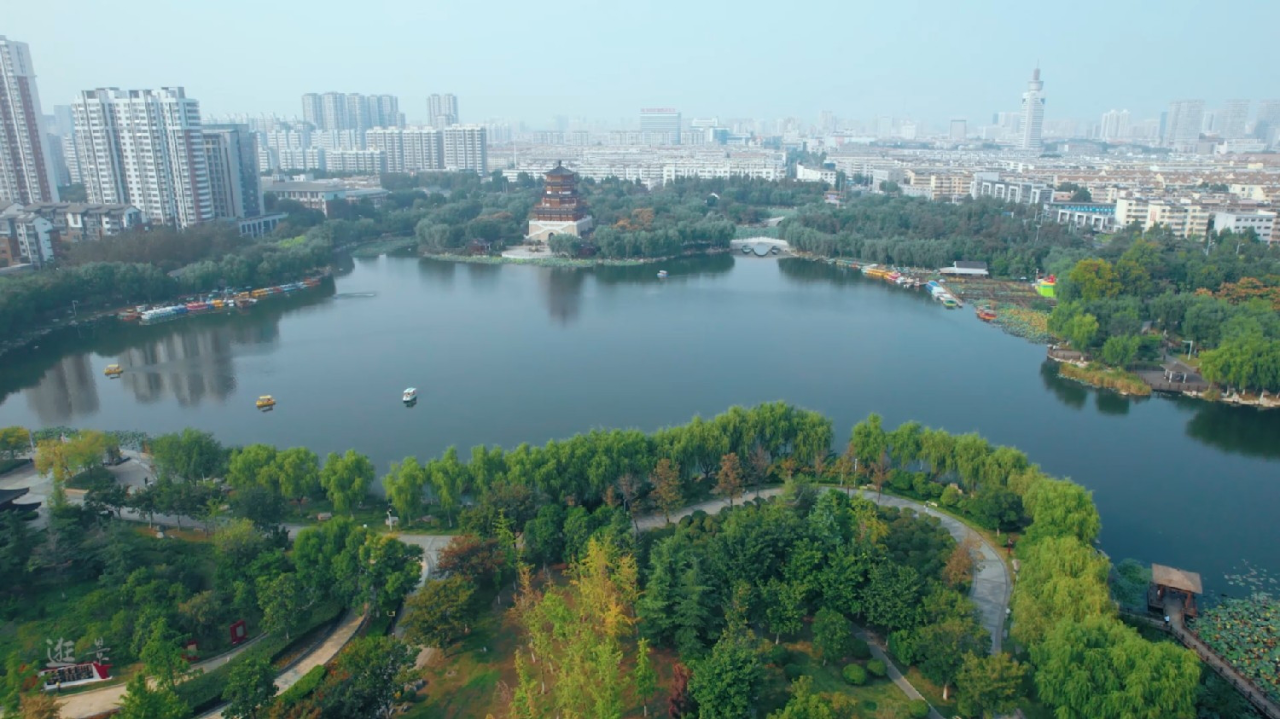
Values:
[(1173, 585)]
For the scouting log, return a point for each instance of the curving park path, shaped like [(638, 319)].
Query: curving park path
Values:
[(991, 585)]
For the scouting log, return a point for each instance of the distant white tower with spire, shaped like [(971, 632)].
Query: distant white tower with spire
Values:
[(1033, 113)]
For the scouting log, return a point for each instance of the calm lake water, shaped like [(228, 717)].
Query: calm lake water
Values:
[(510, 354)]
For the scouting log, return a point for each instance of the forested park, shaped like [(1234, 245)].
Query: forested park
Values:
[(574, 582)]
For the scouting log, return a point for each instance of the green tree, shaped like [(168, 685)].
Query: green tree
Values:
[(1081, 330), (784, 607), (346, 479), (440, 613), (40, 705), (190, 454), (404, 486), (162, 657), (1121, 350), (1060, 508), (645, 677), (832, 635), (282, 599), (142, 702), (296, 472), (941, 649), (724, 683), (989, 685), (14, 440), (250, 687), (247, 467), (805, 703), (891, 596), (388, 569), (1102, 669), (365, 677), (870, 443), (1094, 278)]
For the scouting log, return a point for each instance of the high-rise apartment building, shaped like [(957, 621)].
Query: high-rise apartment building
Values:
[(144, 148), (65, 127), (1268, 120), (338, 111), (1235, 117), (409, 149), (26, 167), (312, 111), (1033, 114), (442, 110), (660, 126), (231, 154), (1184, 120), (1115, 125), (959, 129), (466, 147)]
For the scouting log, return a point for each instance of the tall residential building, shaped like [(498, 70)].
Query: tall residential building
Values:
[(409, 149), (1235, 118), (1183, 126), (959, 129), (26, 167), (1268, 120), (312, 112), (231, 153), (466, 147), (442, 110), (338, 111), (1033, 113), (66, 128), (1115, 125), (144, 148), (660, 126)]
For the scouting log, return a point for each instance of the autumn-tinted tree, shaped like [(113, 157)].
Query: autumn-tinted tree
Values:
[(480, 561), (666, 487), (441, 612), (729, 478)]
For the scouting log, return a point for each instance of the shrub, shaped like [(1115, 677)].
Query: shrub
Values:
[(918, 709), (793, 671), (778, 655), (861, 650), (876, 668), (303, 687), (854, 674)]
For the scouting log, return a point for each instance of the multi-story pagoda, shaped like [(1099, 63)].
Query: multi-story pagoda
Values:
[(561, 210)]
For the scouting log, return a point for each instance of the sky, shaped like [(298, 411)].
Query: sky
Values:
[(925, 59)]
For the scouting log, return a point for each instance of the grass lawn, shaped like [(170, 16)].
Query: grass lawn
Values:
[(466, 681)]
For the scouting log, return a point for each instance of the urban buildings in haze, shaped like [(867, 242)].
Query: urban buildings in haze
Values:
[(466, 147), (340, 111), (1182, 128), (1115, 125), (660, 126), (144, 148), (231, 154), (442, 110), (959, 130), (1033, 114), (26, 166)]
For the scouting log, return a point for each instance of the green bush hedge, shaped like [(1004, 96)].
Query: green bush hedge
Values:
[(854, 674), (918, 709), (303, 687), (778, 655), (861, 650), (793, 671), (876, 668)]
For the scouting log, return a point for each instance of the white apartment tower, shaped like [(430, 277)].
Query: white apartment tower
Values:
[(1033, 114), (26, 167), (144, 148), (442, 110), (1235, 118), (466, 147), (1184, 120), (1115, 125), (409, 149)]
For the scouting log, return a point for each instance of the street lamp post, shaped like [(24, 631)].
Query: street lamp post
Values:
[(74, 313)]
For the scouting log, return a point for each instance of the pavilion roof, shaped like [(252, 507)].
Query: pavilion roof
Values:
[(1176, 579)]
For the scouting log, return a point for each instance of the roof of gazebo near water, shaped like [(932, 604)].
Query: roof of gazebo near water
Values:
[(1176, 579)]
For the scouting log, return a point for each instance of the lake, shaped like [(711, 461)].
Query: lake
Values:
[(506, 354)]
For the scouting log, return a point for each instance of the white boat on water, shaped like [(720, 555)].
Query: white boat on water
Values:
[(411, 394), (662, 274)]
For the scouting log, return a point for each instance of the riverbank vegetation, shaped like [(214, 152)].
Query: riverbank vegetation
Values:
[(1107, 378), (1145, 291)]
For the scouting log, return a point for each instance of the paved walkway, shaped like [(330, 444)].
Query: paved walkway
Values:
[(895, 674), (97, 701), (991, 587)]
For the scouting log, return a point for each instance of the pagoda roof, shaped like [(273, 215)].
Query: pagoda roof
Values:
[(559, 170), (1176, 579)]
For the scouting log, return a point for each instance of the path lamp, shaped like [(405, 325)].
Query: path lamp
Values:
[(74, 313)]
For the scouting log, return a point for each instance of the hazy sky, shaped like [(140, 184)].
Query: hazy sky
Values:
[(533, 60)]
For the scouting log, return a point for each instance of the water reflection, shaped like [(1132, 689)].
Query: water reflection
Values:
[(806, 271), (1113, 403), (190, 365), (1238, 430), (1069, 392), (563, 288), (484, 277), (66, 390), (684, 267), (438, 271)]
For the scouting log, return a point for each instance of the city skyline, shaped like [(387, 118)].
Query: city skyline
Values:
[(802, 80)]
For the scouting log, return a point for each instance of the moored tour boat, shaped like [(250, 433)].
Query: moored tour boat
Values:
[(113, 370), (662, 274), (410, 395), (986, 314), (266, 401)]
